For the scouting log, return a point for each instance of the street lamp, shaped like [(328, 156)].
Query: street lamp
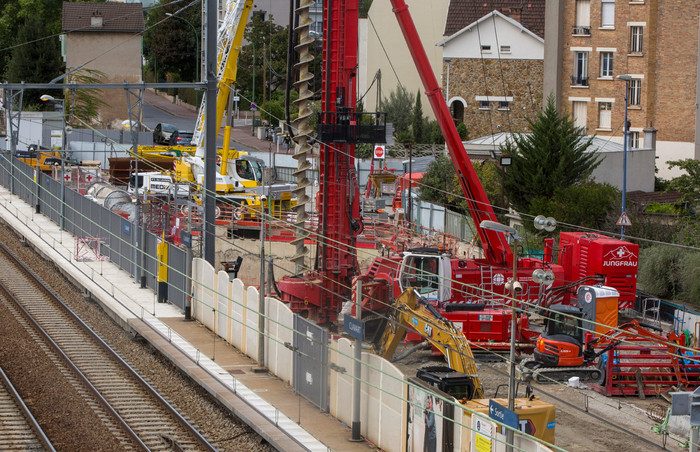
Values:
[(61, 102), (627, 78), (196, 41), (514, 287)]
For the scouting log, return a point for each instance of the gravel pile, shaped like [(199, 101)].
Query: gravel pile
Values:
[(216, 423)]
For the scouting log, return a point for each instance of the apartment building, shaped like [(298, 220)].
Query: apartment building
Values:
[(599, 51)]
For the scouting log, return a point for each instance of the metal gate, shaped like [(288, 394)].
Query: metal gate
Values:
[(310, 362)]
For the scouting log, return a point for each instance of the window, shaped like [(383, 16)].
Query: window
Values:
[(607, 13), (583, 17), (505, 49), (504, 105), (606, 64), (580, 77), (605, 115), (633, 138), (486, 48), (483, 105), (636, 38), (580, 114), (634, 93)]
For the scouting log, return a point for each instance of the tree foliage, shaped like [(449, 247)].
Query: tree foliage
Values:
[(398, 107), (82, 105), (688, 183), (441, 185), (555, 154), (37, 62), (19, 15), (169, 43), (418, 121), (265, 57), (590, 205)]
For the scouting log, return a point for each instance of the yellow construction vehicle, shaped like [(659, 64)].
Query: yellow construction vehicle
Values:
[(47, 159), (461, 379)]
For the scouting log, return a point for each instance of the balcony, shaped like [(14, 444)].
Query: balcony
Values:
[(579, 80), (582, 30)]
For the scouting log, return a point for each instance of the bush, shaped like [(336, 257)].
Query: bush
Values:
[(590, 205), (659, 270), (688, 275)]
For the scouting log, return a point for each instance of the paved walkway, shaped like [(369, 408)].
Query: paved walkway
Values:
[(270, 406), (239, 133)]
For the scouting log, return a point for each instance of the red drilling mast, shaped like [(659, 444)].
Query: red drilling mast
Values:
[(321, 293)]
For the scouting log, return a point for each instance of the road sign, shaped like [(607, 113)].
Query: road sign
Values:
[(504, 415), (353, 327), (624, 220), (236, 98), (379, 151), (253, 106)]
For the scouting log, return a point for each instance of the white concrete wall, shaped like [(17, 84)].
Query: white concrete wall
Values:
[(523, 46), (672, 150), (383, 399), (383, 32)]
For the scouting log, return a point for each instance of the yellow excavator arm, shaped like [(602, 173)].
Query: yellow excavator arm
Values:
[(410, 313)]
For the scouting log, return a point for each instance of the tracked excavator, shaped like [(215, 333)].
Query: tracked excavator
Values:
[(410, 312), (567, 349)]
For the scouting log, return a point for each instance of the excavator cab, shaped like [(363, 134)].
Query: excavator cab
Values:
[(427, 272), (562, 342)]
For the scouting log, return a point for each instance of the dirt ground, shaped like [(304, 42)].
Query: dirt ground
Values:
[(609, 424)]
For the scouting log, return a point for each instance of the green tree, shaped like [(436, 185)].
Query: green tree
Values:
[(418, 121), (170, 44), (82, 105), (14, 16), (35, 63), (688, 183), (590, 205), (441, 185), (398, 108), (555, 154), (266, 55)]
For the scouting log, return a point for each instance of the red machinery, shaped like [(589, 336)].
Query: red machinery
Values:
[(448, 280), (320, 293)]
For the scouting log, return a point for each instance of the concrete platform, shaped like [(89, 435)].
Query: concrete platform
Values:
[(268, 405)]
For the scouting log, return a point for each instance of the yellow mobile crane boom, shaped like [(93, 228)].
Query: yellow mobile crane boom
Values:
[(229, 41)]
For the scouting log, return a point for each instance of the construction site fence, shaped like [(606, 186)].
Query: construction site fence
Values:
[(120, 238), (320, 368)]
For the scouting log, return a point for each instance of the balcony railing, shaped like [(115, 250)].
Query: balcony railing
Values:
[(352, 127), (579, 80), (582, 30)]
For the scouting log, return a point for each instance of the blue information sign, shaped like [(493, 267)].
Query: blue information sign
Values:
[(186, 239), (354, 327), (502, 414), (126, 227)]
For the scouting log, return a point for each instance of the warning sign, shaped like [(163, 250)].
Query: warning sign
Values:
[(379, 151), (624, 220)]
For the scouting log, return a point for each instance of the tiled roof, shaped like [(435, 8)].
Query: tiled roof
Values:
[(662, 197), (461, 13), (116, 17)]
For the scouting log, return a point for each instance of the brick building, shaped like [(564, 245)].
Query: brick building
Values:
[(654, 44), (492, 68)]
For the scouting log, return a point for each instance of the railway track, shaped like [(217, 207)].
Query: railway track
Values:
[(18, 429), (132, 411)]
